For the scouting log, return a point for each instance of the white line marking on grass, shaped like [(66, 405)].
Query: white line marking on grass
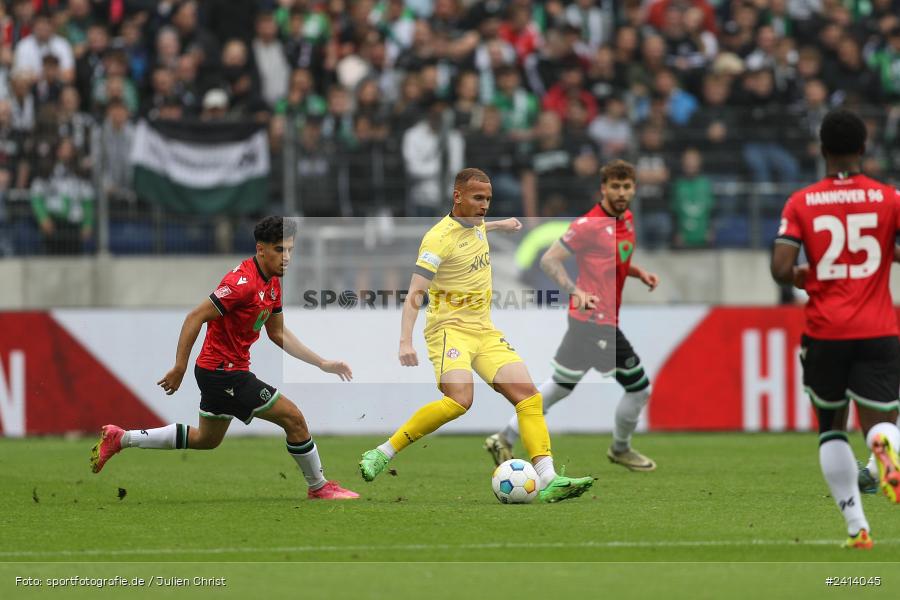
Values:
[(416, 547)]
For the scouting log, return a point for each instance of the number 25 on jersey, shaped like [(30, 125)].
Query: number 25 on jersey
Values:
[(854, 240)]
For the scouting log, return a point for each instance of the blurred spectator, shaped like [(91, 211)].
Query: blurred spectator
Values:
[(366, 166), (467, 111), (168, 48), (316, 160), (369, 101), (592, 20), (612, 131), (550, 169), (268, 53), (518, 107), (30, 51), (520, 31), (337, 124), (570, 86), (408, 109), (22, 100), (849, 75), (113, 150), (433, 153), (658, 9), (498, 156), (301, 100), (65, 121), (396, 23), (605, 77), (766, 128), (231, 19), (215, 105), (543, 68), (78, 20), (692, 203), (14, 150), (114, 83), (679, 104), (89, 66), (886, 62), (63, 205), (186, 88), (810, 115), (193, 38), (715, 129), (49, 84), (136, 51), (653, 177)]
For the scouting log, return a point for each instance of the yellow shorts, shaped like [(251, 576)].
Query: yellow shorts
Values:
[(484, 351)]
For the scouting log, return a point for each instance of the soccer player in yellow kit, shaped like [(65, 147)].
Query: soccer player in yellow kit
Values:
[(454, 269)]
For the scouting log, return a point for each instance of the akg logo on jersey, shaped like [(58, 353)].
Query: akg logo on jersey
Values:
[(480, 262)]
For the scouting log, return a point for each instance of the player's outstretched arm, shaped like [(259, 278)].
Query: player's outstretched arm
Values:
[(285, 339), (510, 224), (552, 265), (784, 271), (415, 298), (205, 311), (651, 280)]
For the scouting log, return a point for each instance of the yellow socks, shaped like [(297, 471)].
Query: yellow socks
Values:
[(533, 427), (430, 417)]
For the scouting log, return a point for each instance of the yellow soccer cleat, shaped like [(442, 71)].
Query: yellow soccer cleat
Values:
[(861, 541)]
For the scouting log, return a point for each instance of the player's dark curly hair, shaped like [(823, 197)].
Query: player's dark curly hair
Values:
[(843, 133), (272, 230), (617, 169)]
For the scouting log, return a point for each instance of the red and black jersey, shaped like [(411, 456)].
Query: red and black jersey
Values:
[(847, 226), (246, 299), (603, 246)]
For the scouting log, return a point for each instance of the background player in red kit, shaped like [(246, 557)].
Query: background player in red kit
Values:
[(847, 224), (248, 298), (603, 243)]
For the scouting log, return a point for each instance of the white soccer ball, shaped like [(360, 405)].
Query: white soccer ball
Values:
[(515, 482)]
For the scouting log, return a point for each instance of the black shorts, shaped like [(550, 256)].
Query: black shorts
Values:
[(227, 394), (866, 371), (602, 347)]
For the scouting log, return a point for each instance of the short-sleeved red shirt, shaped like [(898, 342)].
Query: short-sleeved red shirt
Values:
[(246, 300), (847, 226), (603, 246)]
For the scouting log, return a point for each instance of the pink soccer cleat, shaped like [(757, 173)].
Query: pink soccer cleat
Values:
[(110, 443), (332, 491)]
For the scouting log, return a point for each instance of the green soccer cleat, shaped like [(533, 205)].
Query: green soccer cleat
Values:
[(498, 448), (372, 463), (867, 484), (563, 488)]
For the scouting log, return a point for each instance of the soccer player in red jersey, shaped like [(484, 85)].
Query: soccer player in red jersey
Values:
[(847, 224), (247, 299), (603, 243)]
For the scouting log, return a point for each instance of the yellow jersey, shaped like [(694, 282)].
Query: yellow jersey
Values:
[(456, 257)]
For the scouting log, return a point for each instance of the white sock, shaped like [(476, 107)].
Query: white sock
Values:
[(173, 436), (628, 412), (889, 430), (306, 454), (839, 469), (545, 470), (552, 393), (388, 449), (872, 467)]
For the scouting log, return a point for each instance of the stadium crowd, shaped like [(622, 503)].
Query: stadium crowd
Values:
[(378, 103)]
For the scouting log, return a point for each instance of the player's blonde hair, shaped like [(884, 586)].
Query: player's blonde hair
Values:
[(470, 174), (617, 169)]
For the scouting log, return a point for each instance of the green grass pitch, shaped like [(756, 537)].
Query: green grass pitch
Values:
[(725, 515)]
